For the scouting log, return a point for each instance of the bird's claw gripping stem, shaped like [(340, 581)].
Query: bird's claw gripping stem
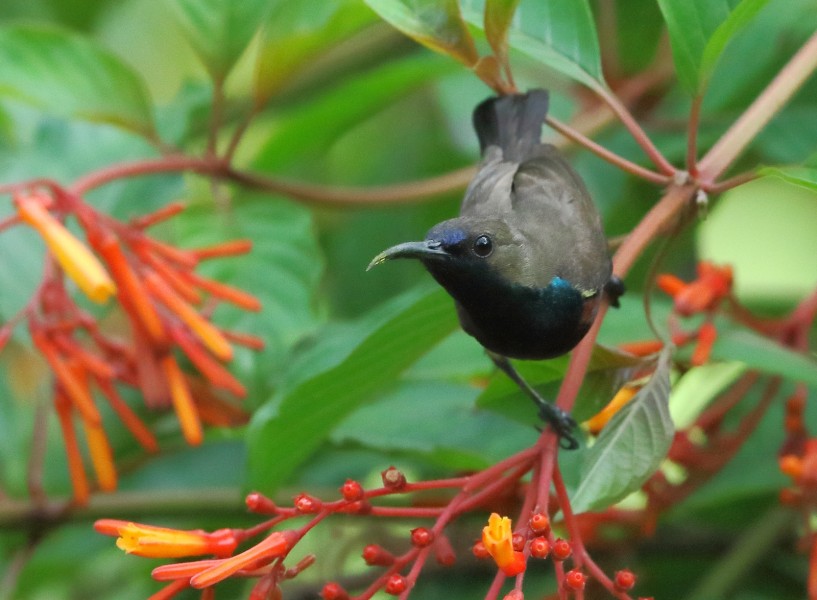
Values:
[(561, 422)]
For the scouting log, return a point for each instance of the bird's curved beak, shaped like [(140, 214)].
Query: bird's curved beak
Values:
[(428, 249)]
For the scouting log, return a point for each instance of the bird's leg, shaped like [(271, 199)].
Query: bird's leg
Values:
[(561, 422)]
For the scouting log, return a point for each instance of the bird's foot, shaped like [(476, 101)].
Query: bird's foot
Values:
[(561, 422), (614, 289)]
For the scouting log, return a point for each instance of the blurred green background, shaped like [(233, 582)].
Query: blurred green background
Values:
[(368, 107)]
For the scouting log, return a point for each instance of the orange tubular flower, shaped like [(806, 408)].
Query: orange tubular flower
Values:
[(204, 330), (161, 542), (79, 480), (713, 284), (601, 418), (275, 545), (182, 401), (74, 257), (497, 537)]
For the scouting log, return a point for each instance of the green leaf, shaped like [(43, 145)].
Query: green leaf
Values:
[(765, 355), (296, 32), (69, 75), (219, 30), (498, 17), (313, 127), (698, 387), (699, 32), (558, 33), (436, 24), (282, 435), (803, 176), (631, 446)]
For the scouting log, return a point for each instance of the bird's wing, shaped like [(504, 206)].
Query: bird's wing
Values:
[(553, 210)]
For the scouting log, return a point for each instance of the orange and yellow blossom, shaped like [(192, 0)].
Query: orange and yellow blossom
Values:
[(78, 262), (161, 542), (497, 537)]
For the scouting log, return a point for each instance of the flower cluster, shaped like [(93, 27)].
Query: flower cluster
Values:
[(166, 306), (396, 573)]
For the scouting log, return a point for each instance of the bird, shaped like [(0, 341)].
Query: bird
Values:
[(526, 261)]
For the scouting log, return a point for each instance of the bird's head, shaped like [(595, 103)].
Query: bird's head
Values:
[(464, 246)]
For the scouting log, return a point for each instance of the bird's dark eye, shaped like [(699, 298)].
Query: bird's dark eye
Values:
[(483, 246)]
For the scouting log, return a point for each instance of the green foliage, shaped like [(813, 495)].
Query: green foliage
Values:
[(49, 68), (631, 447), (700, 31), (362, 370)]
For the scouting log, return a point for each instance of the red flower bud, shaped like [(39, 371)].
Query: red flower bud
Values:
[(351, 491), (539, 547), (333, 591), (624, 580), (306, 504), (396, 585), (539, 523), (421, 537), (561, 549), (377, 556), (393, 479), (575, 580)]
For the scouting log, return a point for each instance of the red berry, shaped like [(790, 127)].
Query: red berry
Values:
[(351, 491), (479, 550), (575, 579), (518, 541), (378, 556), (561, 549), (333, 591), (396, 584), (539, 547), (624, 580), (393, 478), (306, 504), (421, 537), (539, 523)]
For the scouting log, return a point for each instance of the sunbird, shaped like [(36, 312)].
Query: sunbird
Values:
[(527, 261)]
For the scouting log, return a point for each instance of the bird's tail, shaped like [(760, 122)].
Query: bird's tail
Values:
[(514, 123)]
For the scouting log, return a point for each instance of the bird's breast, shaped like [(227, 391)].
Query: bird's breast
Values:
[(518, 321)]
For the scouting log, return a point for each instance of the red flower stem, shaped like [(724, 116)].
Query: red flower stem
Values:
[(490, 473), (9, 222), (404, 512), (496, 586), (605, 154), (637, 132), (489, 490), (692, 135), (245, 534)]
